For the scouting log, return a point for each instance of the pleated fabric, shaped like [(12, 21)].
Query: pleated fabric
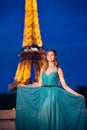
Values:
[(49, 108)]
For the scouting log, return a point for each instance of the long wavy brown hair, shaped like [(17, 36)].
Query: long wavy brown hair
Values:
[(55, 60)]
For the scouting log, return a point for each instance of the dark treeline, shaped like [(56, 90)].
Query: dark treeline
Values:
[(82, 90), (7, 101)]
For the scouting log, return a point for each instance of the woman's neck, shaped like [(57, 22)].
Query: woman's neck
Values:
[(51, 67), (51, 64)]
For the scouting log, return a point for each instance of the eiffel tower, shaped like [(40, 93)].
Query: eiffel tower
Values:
[(32, 54)]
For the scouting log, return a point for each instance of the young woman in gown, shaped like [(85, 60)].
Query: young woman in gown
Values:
[(48, 106), (61, 109)]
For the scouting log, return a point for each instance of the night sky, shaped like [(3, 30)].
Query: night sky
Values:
[(63, 26)]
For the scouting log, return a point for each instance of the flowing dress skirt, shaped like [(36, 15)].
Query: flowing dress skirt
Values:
[(49, 109)]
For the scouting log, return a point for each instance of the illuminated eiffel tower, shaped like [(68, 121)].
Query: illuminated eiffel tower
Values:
[(32, 53)]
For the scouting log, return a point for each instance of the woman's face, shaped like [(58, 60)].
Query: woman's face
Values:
[(50, 56)]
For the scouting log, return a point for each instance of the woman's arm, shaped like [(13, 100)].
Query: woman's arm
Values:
[(65, 86), (40, 79)]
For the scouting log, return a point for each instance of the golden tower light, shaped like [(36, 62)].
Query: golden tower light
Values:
[(31, 25), (32, 47)]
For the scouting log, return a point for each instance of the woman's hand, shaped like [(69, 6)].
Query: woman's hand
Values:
[(80, 95)]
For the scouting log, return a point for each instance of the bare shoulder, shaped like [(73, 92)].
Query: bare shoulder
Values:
[(60, 70), (42, 70)]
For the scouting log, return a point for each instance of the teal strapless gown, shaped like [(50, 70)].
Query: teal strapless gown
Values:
[(49, 107)]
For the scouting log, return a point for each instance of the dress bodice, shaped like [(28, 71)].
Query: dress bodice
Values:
[(50, 79)]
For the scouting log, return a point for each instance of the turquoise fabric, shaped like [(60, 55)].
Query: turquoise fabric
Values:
[(50, 79), (49, 108)]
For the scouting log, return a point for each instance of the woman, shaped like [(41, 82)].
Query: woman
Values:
[(50, 107), (59, 109), (53, 66)]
